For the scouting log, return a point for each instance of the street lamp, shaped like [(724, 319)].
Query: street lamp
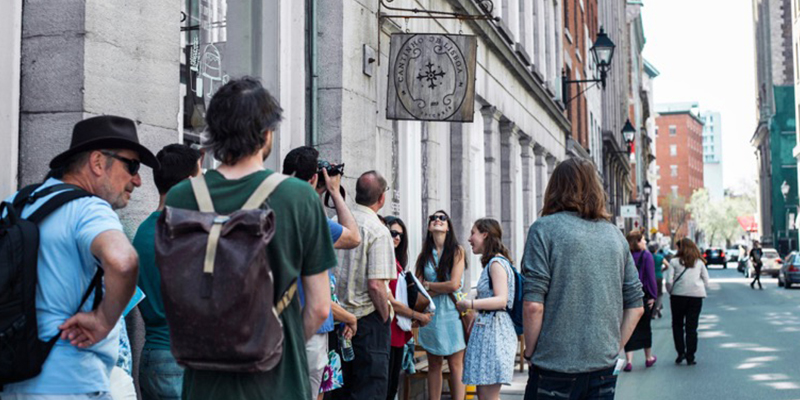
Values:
[(628, 133), (653, 211), (602, 53), (647, 189)]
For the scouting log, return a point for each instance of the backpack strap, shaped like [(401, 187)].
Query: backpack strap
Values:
[(95, 286), (287, 297), (264, 190), (22, 196), (201, 193), (55, 203)]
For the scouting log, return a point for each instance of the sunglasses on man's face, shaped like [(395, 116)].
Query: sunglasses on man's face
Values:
[(131, 164), (395, 233), (440, 217)]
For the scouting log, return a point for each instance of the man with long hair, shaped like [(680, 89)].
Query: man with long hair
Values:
[(577, 266)]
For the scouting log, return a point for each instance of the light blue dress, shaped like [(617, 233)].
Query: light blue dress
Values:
[(443, 336), (493, 342)]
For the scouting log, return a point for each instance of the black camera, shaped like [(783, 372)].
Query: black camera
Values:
[(333, 170)]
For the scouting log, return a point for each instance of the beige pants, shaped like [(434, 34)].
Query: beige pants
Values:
[(317, 350)]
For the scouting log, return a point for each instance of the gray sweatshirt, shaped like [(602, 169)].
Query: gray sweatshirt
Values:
[(583, 273), (693, 282)]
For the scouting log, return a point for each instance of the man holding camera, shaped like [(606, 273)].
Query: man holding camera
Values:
[(303, 163)]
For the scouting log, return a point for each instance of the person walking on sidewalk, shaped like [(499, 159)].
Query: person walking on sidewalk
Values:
[(755, 256), (397, 228), (160, 376), (582, 294), (489, 360), (642, 337), (687, 280), (363, 276), (661, 265), (440, 266)]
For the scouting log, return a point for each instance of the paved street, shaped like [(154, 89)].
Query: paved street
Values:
[(749, 347)]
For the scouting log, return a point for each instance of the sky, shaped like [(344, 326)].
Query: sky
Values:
[(705, 53)]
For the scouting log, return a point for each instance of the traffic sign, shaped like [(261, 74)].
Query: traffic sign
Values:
[(628, 211)]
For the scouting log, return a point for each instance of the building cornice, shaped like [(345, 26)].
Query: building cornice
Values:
[(493, 37)]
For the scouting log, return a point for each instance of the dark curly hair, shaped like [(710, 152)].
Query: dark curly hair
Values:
[(237, 117)]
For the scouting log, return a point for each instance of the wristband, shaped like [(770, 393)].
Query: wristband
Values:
[(412, 314)]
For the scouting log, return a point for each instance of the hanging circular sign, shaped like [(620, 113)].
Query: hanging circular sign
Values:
[(430, 76)]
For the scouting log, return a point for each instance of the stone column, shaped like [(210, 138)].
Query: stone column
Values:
[(10, 47), (491, 145), (528, 181), (121, 59), (541, 176), (460, 181), (509, 133), (551, 165)]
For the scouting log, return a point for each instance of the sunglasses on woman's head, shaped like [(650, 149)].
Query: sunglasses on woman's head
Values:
[(440, 217), (395, 233)]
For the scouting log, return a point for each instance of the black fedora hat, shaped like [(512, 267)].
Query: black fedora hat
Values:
[(105, 132)]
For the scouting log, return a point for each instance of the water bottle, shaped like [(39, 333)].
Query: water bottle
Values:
[(347, 348)]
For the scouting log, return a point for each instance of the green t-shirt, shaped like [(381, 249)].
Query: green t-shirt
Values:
[(152, 307), (658, 258), (301, 246)]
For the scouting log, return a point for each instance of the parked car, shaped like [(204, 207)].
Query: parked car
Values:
[(790, 271), (715, 256), (732, 254), (772, 262)]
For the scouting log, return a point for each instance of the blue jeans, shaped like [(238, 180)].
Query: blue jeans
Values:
[(160, 376), (546, 385)]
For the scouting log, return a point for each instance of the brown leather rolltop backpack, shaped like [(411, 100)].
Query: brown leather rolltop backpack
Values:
[(217, 285)]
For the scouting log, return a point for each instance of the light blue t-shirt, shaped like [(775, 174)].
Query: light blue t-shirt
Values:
[(328, 325), (66, 267)]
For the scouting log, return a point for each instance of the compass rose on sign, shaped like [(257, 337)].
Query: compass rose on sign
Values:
[(431, 75)]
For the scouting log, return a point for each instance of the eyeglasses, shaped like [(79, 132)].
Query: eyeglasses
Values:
[(440, 217), (131, 164), (395, 233)]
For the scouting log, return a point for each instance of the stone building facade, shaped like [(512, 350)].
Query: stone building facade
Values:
[(775, 134), (159, 62)]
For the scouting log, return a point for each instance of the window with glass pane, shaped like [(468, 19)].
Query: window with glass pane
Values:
[(213, 53)]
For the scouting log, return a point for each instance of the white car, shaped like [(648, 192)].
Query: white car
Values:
[(772, 263)]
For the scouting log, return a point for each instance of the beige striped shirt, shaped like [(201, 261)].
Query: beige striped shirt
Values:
[(372, 259)]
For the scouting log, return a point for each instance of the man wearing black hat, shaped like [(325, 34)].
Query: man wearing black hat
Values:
[(75, 240)]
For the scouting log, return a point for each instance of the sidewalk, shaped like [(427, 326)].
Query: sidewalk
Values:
[(515, 391)]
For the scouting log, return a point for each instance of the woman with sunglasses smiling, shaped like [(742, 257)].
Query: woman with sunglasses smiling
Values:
[(399, 337), (440, 266)]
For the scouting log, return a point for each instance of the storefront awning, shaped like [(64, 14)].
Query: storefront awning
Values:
[(748, 223)]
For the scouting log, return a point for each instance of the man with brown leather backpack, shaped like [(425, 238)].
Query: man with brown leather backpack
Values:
[(229, 271)]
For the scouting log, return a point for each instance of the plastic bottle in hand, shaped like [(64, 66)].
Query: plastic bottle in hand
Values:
[(346, 347)]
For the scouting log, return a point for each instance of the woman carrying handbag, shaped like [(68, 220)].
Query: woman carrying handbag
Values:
[(687, 280)]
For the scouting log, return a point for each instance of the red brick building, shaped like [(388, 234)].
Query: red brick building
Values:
[(580, 32), (679, 156)]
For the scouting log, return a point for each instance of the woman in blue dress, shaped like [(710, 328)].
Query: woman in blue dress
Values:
[(492, 346), (440, 267)]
